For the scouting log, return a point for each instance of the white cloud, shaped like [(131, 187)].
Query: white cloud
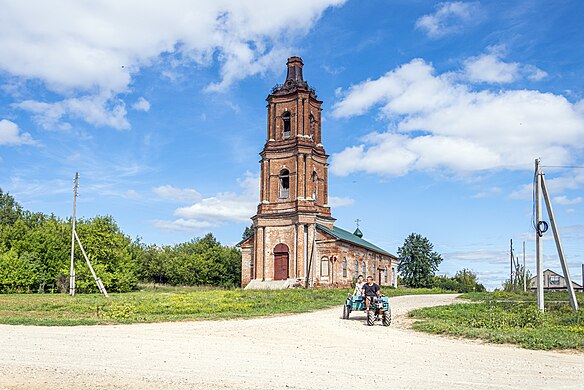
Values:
[(95, 48), (98, 110), (570, 180), (564, 200), (488, 192), (449, 18), (10, 134), (337, 201), (177, 194), (490, 68), (182, 224), (141, 105), (222, 208), (436, 121)]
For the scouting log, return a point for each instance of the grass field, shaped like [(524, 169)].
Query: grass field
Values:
[(509, 318), (156, 304)]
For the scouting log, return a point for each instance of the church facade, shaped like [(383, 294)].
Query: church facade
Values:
[(295, 240)]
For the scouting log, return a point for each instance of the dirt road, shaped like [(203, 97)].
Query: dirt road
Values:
[(306, 351)]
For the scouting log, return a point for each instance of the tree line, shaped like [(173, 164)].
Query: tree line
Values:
[(35, 255)]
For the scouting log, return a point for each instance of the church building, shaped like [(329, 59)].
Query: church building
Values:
[(295, 240)]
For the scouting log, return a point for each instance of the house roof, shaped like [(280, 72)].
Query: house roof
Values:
[(534, 278), (344, 235)]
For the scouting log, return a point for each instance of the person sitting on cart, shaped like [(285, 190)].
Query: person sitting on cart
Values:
[(370, 290), (358, 293)]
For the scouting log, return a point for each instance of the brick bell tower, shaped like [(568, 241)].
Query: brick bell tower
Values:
[(293, 185)]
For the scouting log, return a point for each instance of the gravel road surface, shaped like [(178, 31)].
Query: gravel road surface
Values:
[(306, 351)]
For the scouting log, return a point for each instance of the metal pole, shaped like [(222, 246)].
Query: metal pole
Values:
[(538, 240), (560, 249), (72, 267)]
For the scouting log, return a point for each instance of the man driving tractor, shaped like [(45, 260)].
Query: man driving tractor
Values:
[(370, 290)]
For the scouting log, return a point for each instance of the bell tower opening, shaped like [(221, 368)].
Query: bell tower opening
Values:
[(286, 124), (284, 184)]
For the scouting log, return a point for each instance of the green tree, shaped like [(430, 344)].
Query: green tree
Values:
[(468, 281), (247, 232), (10, 210), (417, 261)]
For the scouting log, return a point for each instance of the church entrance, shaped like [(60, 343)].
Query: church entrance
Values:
[(281, 262)]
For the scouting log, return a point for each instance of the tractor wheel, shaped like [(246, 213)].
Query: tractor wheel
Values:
[(386, 318), (346, 312), (371, 317)]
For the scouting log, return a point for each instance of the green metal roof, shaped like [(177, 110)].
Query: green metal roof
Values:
[(344, 235)]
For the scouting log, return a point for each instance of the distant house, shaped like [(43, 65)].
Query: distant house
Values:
[(553, 281)]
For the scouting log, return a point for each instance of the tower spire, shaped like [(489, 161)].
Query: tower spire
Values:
[(294, 73)]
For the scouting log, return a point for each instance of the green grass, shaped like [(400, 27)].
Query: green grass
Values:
[(156, 304), (509, 318)]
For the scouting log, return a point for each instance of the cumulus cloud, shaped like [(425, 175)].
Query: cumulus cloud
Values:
[(338, 201), (564, 200), (95, 48), (141, 105), (177, 194), (10, 134), (450, 18), (218, 209), (436, 121), (490, 68), (98, 110)]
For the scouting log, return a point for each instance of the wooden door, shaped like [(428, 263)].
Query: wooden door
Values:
[(281, 262)]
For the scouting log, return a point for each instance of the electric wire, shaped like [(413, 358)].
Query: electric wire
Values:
[(563, 166)]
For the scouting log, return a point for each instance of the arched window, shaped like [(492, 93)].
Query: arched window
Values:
[(286, 120), (314, 185), (373, 270), (385, 274), (356, 268), (364, 269), (284, 183), (344, 267), (324, 266)]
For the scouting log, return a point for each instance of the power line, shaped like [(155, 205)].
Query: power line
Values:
[(563, 166)]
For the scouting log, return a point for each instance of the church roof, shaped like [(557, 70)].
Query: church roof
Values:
[(344, 235)]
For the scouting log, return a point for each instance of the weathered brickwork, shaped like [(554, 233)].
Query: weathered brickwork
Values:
[(287, 242)]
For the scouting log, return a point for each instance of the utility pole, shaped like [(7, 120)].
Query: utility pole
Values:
[(559, 248), (511, 264), (75, 237), (72, 268), (524, 270), (538, 240)]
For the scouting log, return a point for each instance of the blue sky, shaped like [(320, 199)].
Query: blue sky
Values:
[(433, 115)]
